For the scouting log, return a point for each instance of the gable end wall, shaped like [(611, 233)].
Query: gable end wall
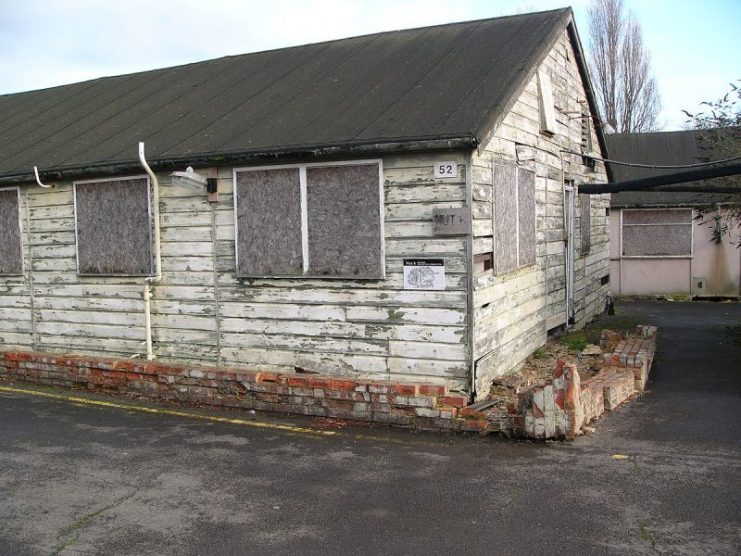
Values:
[(513, 312)]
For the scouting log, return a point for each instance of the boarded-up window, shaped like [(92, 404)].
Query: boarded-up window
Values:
[(585, 223), (268, 205), (505, 217), (11, 251), (114, 229), (344, 221), (310, 220), (514, 217), (657, 233), (546, 105), (526, 220)]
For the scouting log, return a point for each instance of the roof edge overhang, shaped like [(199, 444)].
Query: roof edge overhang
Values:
[(286, 154)]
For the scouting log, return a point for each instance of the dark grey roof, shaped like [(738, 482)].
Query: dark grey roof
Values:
[(672, 148), (447, 82)]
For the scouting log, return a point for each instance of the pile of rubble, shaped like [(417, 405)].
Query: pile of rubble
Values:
[(547, 399)]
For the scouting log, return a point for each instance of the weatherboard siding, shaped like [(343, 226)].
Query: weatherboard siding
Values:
[(71, 312), (513, 311), (202, 312), (16, 302), (371, 328)]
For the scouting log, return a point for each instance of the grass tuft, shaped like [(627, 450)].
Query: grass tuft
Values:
[(576, 341)]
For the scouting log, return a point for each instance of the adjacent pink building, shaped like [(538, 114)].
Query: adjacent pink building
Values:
[(668, 242)]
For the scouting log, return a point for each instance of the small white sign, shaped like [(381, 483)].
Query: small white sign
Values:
[(446, 169), (424, 274)]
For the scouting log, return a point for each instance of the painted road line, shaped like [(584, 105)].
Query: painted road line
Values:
[(171, 412), (316, 433)]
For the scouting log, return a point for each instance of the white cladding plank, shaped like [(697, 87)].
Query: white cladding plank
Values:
[(331, 363), (417, 211), (94, 331), (122, 291), (440, 247), (184, 234), (426, 193), (54, 225), (188, 264), (17, 324), (429, 367), (181, 335), (345, 297), (8, 301), (239, 327), (409, 229), (306, 343), (55, 251), (91, 317), (11, 339), (405, 315), (184, 322), (185, 293), (181, 248), (279, 311), (427, 350), (91, 346), (51, 212)]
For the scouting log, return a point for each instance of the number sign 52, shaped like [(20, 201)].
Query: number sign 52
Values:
[(446, 169)]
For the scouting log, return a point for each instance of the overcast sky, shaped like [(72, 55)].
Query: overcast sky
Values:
[(695, 44)]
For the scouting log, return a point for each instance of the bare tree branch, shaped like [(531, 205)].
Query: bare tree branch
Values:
[(627, 93)]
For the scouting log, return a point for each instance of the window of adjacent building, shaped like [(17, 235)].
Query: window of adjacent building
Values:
[(114, 227), (546, 104), (514, 217), (11, 245), (318, 220), (585, 223), (657, 233)]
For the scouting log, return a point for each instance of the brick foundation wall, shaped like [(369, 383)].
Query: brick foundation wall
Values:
[(419, 406)]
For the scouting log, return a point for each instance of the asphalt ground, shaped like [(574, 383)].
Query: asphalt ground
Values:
[(83, 474)]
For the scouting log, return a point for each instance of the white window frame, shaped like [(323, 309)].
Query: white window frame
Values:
[(149, 228), (305, 217), (20, 229), (690, 224)]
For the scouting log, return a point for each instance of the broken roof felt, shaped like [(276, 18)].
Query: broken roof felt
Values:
[(672, 148), (446, 83)]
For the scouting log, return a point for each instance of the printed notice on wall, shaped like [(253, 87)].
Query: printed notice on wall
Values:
[(424, 274)]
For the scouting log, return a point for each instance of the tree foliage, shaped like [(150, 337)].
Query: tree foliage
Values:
[(720, 125), (719, 138), (620, 65)]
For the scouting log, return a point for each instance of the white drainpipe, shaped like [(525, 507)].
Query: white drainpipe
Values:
[(151, 280)]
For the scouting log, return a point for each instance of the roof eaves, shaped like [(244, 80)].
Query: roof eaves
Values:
[(286, 154)]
